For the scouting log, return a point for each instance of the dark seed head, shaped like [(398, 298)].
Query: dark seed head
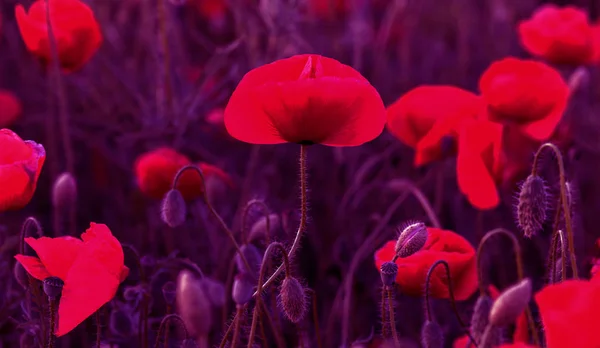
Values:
[(389, 270), (292, 299), (173, 208), (169, 294), (243, 288), (532, 206), (510, 304), (411, 239), (53, 287), (432, 335)]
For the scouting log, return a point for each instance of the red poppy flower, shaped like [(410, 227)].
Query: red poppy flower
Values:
[(155, 171), (560, 35), (422, 124), (525, 93), (20, 166), (440, 245), (91, 268), (569, 312), (10, 108), (305, 99), (74, 26), (330, 9)]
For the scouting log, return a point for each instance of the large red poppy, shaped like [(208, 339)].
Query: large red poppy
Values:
[(10, 108), (560, 35), (91, 268), (425, 115), (156, 169), (74, 26), (20, 166), (525, 93), (305, 99), (440, 245)]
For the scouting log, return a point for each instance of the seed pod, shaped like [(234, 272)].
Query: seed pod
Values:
[(169, 294), (389, 270), (254, 258), (411, 239), (53, 287), (292, 299), (64, 192), (193, 305), (432, 335), (510, 304), (173, 209), (532, 206), (243, 288)]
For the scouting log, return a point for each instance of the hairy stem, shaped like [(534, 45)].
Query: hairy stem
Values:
[(265, 211), (384, 317), (164, 92), (236, 329), (52, 308), (98, 329), (315, 313), (390, 297)]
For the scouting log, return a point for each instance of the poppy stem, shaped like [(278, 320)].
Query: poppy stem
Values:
[(236, 329), (313, 296), (563, 198), (390, 298), (303, 215), (384, 318), (24, 232), (212, 209), (265, 210), (551, 267), (98, 329), (63, 118), (51, 306), (164, 326), (552, 278), (164, 92)]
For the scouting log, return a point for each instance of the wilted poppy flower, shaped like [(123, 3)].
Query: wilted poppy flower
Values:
[(424, 116), (525, 93), (20, 166), (305, 99), (440, 245), (91, 268), (569, 312), (560, 35), (10, 108), (155, 171), (74, 26)]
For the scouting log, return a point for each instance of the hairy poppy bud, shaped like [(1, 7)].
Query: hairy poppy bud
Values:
[(121, 323), (511, 303), (389, 270), (168, 291), (411, 239), (259, 229), (53, 287), (173, 208), (432, 335), (243, 288), (292, 299), (64, 191), (21, 275), (193, 305), (480, 319), (532, 206), (254, 258)]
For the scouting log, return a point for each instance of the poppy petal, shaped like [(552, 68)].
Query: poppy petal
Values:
[(57, 254), (101, 245), (33, 266)]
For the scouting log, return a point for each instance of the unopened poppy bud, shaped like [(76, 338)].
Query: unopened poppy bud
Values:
[(292, 299), (193, 305), (510, 304), (189, 343), (432, 335), (173, 209), (215, 291), (53, 287), (254, 258), (411, 239), (120, 323), (259, 229), (21, 275), (64, 191), (480, 318), (168, 291), (243, 289), (389, 270), (532, 206), (556, 274)]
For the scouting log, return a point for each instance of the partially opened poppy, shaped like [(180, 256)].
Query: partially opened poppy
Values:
[(74, 26), (424, 116), (91, 268), (569, 312), (441, 245), (10, 108), (305, 99), (560, 35), (524, 93), (20, 166)]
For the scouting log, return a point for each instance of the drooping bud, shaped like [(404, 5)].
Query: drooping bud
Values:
[(53, 287), (292, 299), (173, 209), (259, 229), (169, 293), (432, 335), (480, 320), (511, 303), (64, 192), (411, 239), (389, 270), (254, 258), (21, 275), (243, 288), (193, 305), (532, 205)]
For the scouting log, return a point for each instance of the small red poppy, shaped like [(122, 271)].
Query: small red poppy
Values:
[(10, 108), (528, 94), (307, 99), (330, 9), (20, 166), (91, 268), (569, 312), (422, 124), (560, 35), (74, 26), (440, 245)]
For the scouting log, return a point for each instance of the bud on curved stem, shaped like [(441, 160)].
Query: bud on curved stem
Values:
[(511, 303), (265, 210), (30, 221), (163, 326), (411, 239)]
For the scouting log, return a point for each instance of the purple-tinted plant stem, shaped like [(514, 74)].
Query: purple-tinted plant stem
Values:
[(390, 297), (384, 318), (166, 343), (51, 305), (315, 313), (164, 91), (236, 329), (98, 329)]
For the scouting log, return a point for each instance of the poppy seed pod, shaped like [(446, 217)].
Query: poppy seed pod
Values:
[(292, 299), (432, 335), (53, 287), (254, 258), (532, 206), (411, 239), (193, 305), (511, 303), (169, 293), (389, 270), (64, 191), (480, 319), (243, 288), (173, 209)]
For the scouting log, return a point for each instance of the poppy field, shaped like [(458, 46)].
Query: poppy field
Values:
[(299, 173)]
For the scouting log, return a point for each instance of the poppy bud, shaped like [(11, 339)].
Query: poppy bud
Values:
[(189, 343), (532, 206), (254, 258), (64, 192), (432, 335), (168, 291), (173, 208), (243, 289), (292, 299), (259, 229), (193, 304), (556, 274), (53, 287), (411, 239), (215, 291), (480, 319), (389, 270), (21, 275), (511, 303), (120, 323)]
